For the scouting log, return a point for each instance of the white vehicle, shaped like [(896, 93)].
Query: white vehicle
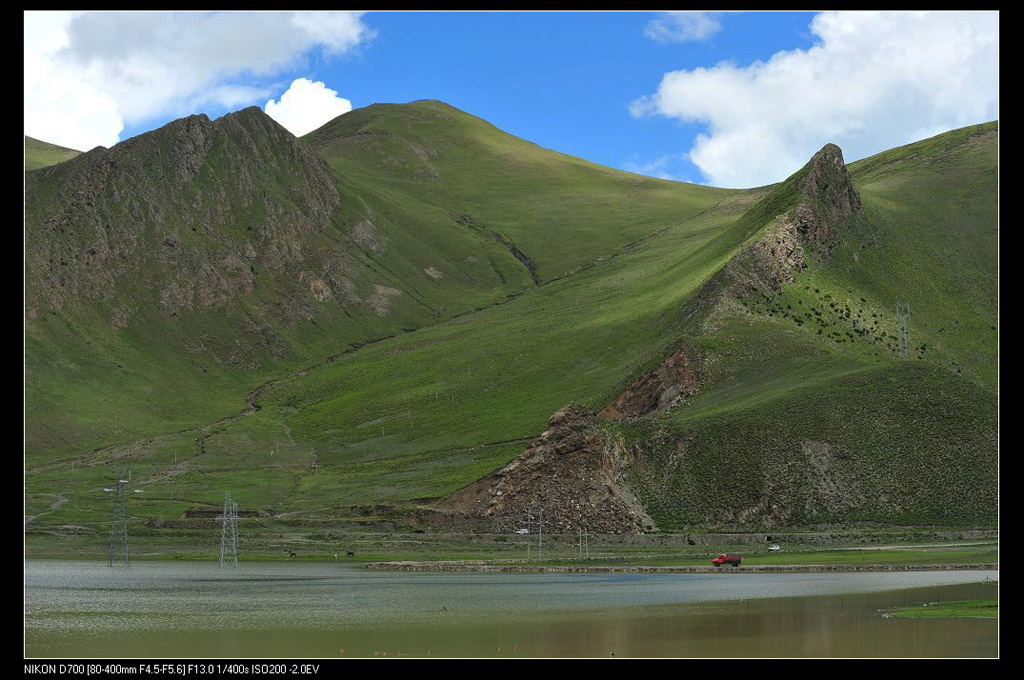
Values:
[(523, 531), (774, 548)]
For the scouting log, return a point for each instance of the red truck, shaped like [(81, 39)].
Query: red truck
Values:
[(734, 560)]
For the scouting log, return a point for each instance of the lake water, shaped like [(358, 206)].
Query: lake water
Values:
[(265, 610)]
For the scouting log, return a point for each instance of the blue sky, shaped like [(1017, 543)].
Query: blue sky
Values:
[(562, 80), (732, 99)]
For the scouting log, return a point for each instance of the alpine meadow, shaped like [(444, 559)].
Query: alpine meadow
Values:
[(411, 322)]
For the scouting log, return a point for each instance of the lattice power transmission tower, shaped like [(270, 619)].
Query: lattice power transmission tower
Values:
[(119, 547), (229, 532), (540, 534), (529, 530), (902, 314)]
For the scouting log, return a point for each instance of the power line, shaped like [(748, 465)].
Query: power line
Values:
[(584, 544), (229, 532), (540, 534), (529, 530), (119, 523)]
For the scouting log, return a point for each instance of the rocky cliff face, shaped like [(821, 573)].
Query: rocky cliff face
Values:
[(185, 214), (825, 199), (677, 378), (829, 200), (573, 470)]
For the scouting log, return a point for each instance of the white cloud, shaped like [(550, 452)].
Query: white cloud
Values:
[(872, 81), (673, 27), (60, 107), (306, 106), (88, 73), (336, 31)]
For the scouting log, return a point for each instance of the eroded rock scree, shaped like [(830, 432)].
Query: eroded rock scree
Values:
[(677, 378), (574, 470)]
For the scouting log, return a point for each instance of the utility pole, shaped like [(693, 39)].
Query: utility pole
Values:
[(229, 532), (529, 530), (540, 535), (902, 314), (119, 523), (584, 544)]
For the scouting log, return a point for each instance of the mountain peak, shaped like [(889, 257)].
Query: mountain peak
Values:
[(199, 200), (830, 149), (807, 212), (249, 114), (829, 198)]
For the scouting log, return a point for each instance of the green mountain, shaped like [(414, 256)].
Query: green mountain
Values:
[(386, 313), (211, 256), (40, 154)]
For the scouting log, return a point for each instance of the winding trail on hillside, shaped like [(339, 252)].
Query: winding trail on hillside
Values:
[(61, 500)]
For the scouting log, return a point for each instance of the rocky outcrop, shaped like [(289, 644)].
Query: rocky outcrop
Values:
[(829, 198), (674, 380), (573, 470), (825, 199), (185, 214), (807, 212)]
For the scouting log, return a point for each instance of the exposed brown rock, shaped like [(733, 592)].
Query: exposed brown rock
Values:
[(675, 379), (380, 300), (573, 470), (827, 199), (161, 212)]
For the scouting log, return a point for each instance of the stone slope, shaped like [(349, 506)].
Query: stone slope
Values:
[(573, 470), (190, 208)]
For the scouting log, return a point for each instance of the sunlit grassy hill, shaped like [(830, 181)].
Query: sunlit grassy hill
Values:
[(179, 270), (413, 322), (39, 154)]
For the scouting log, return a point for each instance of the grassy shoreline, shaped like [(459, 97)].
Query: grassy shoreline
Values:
[(582, 568), (977, 608), (619, 557)]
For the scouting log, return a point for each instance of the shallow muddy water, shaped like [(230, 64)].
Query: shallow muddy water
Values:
[(162, 610)]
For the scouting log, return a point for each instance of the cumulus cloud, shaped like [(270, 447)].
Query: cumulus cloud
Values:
[(60, 107), (88, 73), (872, 80), (306, 106), (674, 27)]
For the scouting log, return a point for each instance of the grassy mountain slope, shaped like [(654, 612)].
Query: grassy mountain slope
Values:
[(422, 414), (790, 426), (430, 159), (807, 405), (39, 154), (181, 269), (178, 267)]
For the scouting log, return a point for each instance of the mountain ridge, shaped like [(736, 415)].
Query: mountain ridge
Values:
[(782, 307)]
